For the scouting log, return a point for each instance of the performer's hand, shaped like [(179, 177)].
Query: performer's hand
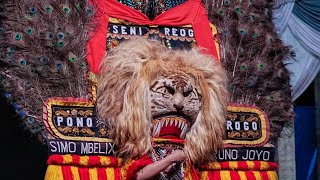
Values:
[(165, 164), (177, 156)]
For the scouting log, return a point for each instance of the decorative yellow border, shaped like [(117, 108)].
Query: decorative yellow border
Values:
[(93, 78), (264, 126), (216, 42), (77, 102), (69, 102)]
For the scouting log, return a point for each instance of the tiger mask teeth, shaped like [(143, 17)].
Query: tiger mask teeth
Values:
[(172, 120), (157, 125), (184, 131), (165, 122)]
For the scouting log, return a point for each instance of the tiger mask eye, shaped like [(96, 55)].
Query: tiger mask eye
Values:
[(170, 90)]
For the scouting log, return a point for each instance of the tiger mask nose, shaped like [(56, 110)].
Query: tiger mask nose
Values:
[(178, 101), (179, 108)]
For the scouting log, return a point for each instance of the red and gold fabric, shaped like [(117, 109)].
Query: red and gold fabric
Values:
[(239, 170), (74, 167)]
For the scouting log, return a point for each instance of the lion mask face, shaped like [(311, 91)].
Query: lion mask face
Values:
[(144, 87)]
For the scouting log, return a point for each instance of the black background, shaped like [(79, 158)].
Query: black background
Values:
[(22, 154)]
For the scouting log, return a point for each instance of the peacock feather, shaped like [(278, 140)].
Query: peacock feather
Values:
[(43, 53), (253, 55)]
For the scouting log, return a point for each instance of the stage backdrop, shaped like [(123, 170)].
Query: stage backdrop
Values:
[(305, 142)]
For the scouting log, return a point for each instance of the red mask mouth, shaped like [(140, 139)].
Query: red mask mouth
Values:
[(170, 127)]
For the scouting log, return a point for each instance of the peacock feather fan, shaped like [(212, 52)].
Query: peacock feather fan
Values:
[(43, 53), (253, 55)]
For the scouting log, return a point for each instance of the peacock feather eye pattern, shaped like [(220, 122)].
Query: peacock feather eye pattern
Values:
[(72, 58), (18, 36), (237, 9), (48, 9), (261, 66), (61, 43), (242, 31), (243, 67), (254, 34), (29, 30), (83, 65), (22, 62), (221, 12), (89, 11), (60, 35), (44, 60), (58, 65), (66, 9)]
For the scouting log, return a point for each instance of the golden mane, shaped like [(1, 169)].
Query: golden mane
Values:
[(123, 97)]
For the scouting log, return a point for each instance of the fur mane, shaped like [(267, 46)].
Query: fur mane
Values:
[(123, 97)]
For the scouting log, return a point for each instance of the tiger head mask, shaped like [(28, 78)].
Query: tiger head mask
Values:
[(146, 90)]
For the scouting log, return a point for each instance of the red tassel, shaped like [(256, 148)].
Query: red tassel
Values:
[(84, 173), (102, 174), (67, 174)]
